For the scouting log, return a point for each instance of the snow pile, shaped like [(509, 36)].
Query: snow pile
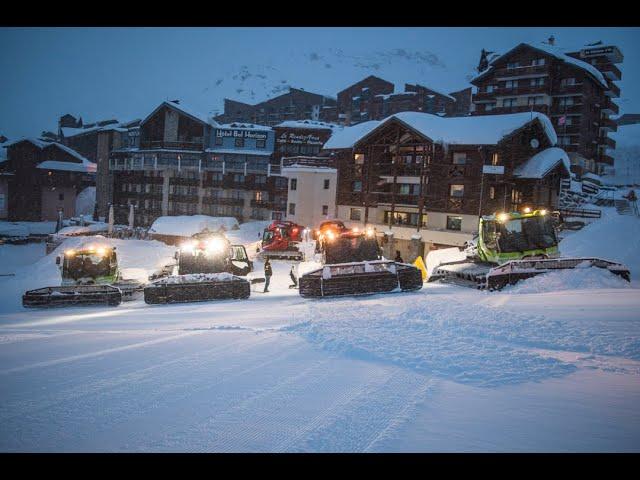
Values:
[(576, 279), (443, 255), (542, 163), (197, 277), (248, 232), (189, 225), (84, 230), (23, 229), (86, 201), (613, 237)]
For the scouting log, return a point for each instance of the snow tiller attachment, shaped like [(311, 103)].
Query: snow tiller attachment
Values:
[(90, 276), (197, 288), (512, 247), (72, 295), (353, 265), (490, 277), (209, 268), (360, 278)]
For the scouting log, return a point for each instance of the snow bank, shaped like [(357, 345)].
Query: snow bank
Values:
[(23, 229), (84, 230), (577, 279), (189, 225), (613, 237)]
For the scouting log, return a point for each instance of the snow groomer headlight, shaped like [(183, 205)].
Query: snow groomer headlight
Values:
[(502, 217), (70, 253), (188, 247), (215, 245), (369, 232)]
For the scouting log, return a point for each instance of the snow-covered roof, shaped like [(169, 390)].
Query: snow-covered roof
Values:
[(542, 163), (348, 136), (35, 141), (471, 130), (187, 110), (557, 53), (309, 124), (189, 225), (238, 151), (243, 126), (72, 132), (87, 167)]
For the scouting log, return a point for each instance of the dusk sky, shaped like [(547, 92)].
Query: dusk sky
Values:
[(123, 73)]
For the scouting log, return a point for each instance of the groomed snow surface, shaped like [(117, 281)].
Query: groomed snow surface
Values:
[(552, 367)]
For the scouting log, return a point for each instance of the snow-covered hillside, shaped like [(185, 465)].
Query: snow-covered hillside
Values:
[(626, 155), (550, 364)]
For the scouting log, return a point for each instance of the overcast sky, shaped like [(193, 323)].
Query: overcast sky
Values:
[(123, 73)]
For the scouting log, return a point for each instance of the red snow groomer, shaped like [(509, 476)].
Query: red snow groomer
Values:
[(280, 241), (353, 264)]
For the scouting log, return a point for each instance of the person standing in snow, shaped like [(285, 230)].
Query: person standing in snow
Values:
[(633, 200), (293, 276), (398, 258), (267, 274)]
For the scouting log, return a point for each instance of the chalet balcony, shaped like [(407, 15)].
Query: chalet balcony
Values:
[(558, 109), (611, 108), (234, 202), (484, 96), (569, 89), (603, 158), (524, 89), (523, 70), (522, 108), (613, 92), (609, 125), (607, 142), (160, 145), (567, 129), (610, 71), (388, 198), (262, 204), (387, 169)]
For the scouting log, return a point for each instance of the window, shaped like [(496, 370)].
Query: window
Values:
[(294, 184), (239, 142), (511, 84), (565, 82), (405, 218), (358, 158), (565, 101), (491, 88), (409, 189), (260, 179), (238, 178), (325, 209), (261, 143), (459, 158), (61, 196), (489, 106), (456, 191), (492, 193), (218, 140), (537, 62), (564, 140), (535, 101), (356, 186), (326, 183), (292, 209), (354, 214), (513, 65), (509, 102), (495, 159), (454, 223), (537, 82)]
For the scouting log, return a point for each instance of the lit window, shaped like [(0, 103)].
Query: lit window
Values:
[(456, 191), (495, 159)]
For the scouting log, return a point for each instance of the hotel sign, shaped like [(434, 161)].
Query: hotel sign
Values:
[(253, 134), (300, 139)]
